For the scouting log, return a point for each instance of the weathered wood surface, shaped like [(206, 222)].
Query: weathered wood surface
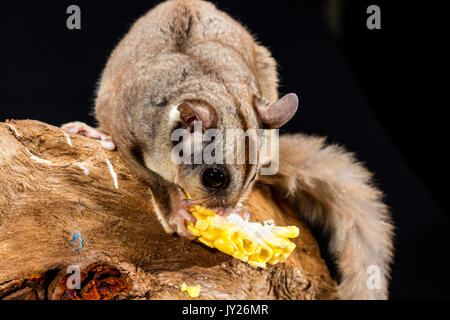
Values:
[(55, 186)]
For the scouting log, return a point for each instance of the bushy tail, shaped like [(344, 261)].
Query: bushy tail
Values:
[(331, 189)]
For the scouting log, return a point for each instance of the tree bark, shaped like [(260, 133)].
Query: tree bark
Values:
[(65, 202)]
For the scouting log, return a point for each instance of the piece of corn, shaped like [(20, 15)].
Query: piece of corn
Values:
[(250, 242), (193, 292)]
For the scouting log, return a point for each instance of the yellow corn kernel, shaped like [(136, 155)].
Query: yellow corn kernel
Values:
[(193, 292), (201, 225), (276, 241), (204, 211), (210, 234), (250, 247), (257, 263), (265, 254), (224, 246), (194, 230), (240, 250), (206, 242), (286, 232)]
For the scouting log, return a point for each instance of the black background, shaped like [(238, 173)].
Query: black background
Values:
[(373, 91)]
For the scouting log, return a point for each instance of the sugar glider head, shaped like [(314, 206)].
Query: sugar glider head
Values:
[(215, 151)]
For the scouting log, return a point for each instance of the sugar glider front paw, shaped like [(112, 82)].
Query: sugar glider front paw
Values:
[(179, 216), (85, 130)]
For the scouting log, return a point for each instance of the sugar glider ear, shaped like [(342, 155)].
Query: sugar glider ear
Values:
[(275, 115), (191, 112)]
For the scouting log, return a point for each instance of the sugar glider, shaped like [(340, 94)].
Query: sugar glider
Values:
[(186, 61)]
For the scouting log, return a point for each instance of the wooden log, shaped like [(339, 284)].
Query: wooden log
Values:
[(65, 203)]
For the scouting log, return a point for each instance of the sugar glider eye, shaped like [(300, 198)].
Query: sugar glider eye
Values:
[(213, 178)]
